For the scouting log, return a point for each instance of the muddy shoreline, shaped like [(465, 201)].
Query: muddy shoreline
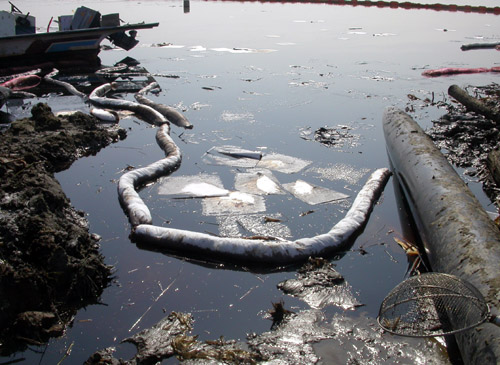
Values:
[(50, 264)]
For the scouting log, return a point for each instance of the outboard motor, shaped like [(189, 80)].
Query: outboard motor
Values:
[(122, 40)]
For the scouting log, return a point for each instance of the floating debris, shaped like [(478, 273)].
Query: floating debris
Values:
[(169, 337), (234, 203), (446, 71), (232, 156), (283, 163), (166, 45), (303, 214), (260, 182), (105, 115), (467, 137), (242, 50), (228, 116), (356, 32), (237, 152), (198, 105), (225, 161), (413, 254), (384, 34), (313, 194), (319, 285), (199, 186), (197, 49), (339, 136), (269, 225), (340, 171), (305, 337), (279, 313), (316, 84)]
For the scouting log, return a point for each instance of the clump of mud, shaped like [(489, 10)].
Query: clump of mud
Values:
[(466, 138), (50, 265)]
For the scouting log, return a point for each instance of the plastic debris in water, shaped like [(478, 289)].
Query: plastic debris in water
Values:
[(202, 185), (234, 203), (283, 163), (313, 194), (259, 182)]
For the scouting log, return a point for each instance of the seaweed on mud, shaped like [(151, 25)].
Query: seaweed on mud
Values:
[(50, 265)]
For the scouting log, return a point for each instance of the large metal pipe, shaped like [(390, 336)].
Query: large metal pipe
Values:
[(458, 236)]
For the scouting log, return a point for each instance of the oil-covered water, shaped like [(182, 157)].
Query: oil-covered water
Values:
[(262, 77)]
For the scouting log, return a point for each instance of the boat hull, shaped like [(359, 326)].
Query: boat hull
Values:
[(81, 45)]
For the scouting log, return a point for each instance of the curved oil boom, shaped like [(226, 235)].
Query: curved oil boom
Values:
[(97, 97), (273, 251), (168, 112), (458, 235), (270, 251), (70, 88), (137, 211), (101, 114)]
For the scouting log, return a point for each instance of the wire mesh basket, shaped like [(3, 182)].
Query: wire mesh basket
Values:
[(432, 304)]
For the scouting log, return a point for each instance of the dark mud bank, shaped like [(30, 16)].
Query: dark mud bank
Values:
[(50, 265)]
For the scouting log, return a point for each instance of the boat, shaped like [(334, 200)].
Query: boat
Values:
[(78, 39)]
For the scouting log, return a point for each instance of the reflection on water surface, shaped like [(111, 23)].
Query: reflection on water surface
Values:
[(329, 66)]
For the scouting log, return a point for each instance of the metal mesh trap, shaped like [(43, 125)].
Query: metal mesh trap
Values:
[(432, 304)]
